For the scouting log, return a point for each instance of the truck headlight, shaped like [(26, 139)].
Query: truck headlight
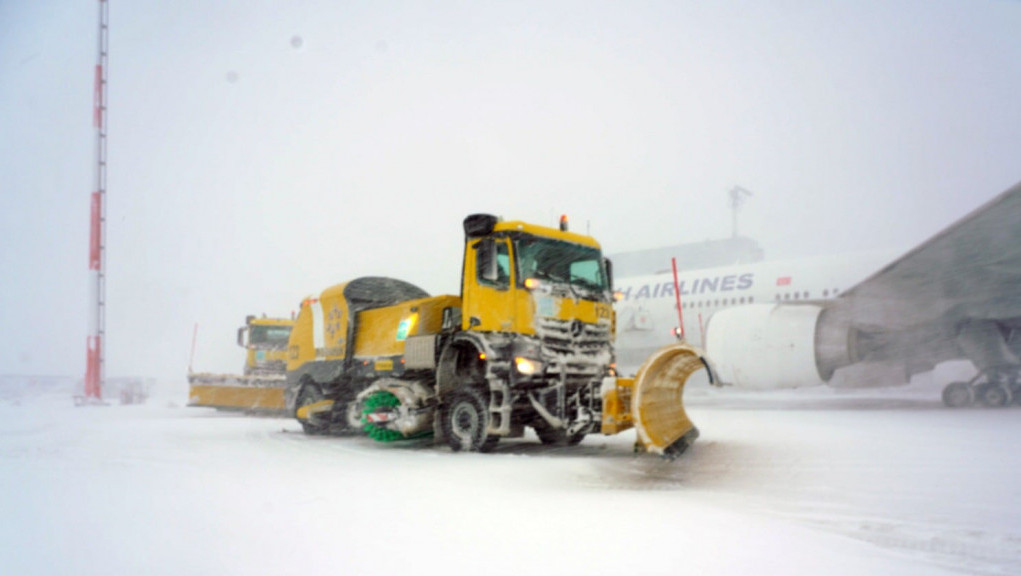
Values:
[(526, 366)]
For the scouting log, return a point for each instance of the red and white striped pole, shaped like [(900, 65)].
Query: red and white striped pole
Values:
[(677, 296), (97, 235)]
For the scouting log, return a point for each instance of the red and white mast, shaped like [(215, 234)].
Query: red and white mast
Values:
[(97, 237)]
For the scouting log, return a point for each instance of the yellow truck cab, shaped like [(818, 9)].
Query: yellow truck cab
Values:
[(527, 343), (265, 340)]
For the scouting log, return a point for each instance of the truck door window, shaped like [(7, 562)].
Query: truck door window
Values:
[(488, 273)]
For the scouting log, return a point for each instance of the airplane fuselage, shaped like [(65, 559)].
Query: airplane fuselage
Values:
[(647, 313)]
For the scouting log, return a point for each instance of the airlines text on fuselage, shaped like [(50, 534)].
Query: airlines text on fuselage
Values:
[(708, 285)]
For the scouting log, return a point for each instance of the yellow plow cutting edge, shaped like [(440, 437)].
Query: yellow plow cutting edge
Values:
[(247, 398), (311, 410), (653, 401)]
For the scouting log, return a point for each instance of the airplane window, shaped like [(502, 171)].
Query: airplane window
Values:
[(825, 293), (742, 299), (787, 296), (716, 303), (797, 295), (777, 297), (751, 299), (806, 295)]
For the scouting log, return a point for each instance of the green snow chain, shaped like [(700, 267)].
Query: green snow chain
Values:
[(380, 399), (383, 399)]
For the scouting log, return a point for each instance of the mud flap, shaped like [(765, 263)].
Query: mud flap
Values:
[(657, 403)]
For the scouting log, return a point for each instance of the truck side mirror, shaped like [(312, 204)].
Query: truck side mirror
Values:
[(608, 264), (241, 336), (486, 262), (451, 318)]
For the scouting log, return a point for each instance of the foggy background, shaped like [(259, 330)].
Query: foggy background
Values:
[(259, 153)]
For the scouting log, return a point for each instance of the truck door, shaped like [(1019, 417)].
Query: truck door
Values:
[(488, 287)]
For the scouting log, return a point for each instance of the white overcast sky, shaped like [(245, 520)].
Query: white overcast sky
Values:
[(261, 151)]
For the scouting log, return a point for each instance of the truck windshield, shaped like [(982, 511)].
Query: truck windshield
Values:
[(270, 335), (560, 262)]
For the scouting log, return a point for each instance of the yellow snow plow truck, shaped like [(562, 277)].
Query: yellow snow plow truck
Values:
[(528, 343), (261, 386)]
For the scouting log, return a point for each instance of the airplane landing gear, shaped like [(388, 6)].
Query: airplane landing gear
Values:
[(993, 388), (958, 395)]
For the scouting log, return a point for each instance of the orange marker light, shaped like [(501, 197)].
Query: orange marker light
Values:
[(563, 222), (531, 283)]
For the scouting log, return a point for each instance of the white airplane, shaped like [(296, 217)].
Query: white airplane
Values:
[(869, 319)]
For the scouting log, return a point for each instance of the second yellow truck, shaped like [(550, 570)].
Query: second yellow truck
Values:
[(527, 344), (260, 389)]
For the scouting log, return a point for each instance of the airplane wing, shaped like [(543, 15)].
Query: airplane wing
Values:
[(972, 269), (955, 296)]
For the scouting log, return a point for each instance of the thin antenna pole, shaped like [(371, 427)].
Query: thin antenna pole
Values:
[(194, 337), (737, 198)]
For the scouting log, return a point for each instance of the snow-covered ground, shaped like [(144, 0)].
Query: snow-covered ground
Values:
[(802, 482)]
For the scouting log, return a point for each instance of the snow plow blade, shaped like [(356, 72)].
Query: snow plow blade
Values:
[(653, 401), (253, 394)]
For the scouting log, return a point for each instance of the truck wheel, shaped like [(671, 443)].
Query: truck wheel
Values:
[(465, 420), (310, 394)]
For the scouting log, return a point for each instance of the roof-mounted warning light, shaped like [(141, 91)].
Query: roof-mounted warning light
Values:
[(563, 222)]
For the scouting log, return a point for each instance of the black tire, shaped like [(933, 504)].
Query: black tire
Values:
[(553, 437), (310, 394), (996, 396), (465, 421), (958, 395)]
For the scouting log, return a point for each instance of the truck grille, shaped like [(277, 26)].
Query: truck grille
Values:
[(582, 347)]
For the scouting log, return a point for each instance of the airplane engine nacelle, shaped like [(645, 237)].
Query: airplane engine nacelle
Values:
[(765, 346)]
